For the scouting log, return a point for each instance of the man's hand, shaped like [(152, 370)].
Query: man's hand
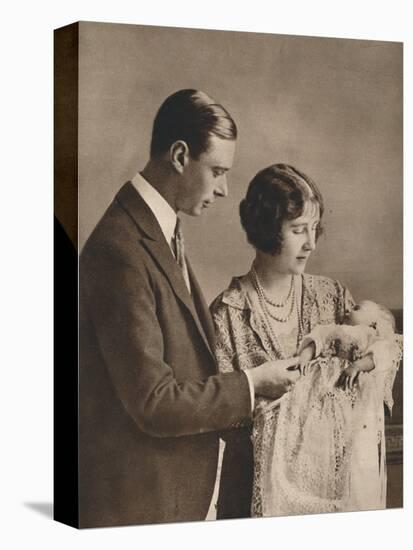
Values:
[(273, 378)]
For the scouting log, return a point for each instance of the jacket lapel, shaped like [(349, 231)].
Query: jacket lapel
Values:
[(155, 243)]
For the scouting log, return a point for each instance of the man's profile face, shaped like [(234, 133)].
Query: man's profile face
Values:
[(205, 178)]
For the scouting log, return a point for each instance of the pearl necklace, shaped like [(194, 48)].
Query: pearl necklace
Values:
[(276, 343), (267, 298), (261, 294)]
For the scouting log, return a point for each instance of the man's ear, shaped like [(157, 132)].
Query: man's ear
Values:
[(179, 155)]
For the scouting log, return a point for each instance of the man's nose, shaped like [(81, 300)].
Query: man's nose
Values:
[(222, 189)]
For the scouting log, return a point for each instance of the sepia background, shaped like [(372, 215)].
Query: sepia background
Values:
[(330, 107)]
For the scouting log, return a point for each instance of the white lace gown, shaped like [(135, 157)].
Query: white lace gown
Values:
[(319, 448)]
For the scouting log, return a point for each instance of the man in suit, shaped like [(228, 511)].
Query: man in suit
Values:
[(151, 404)]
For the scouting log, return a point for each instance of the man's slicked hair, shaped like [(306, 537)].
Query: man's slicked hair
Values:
[(191, 116)]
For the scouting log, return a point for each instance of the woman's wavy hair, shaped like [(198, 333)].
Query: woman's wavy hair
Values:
[(276, 194)]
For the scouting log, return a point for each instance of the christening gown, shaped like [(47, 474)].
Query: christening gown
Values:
[(319, 448)]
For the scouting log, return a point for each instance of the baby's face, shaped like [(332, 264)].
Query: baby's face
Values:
[(364, 313)]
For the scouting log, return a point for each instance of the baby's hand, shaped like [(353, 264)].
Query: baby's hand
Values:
[(328, 352), (331, 348), (355, 353)]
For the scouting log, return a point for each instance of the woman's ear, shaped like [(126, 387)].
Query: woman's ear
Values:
[(179, 155)]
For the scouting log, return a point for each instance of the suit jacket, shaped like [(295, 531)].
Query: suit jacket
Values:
[(150, 400)]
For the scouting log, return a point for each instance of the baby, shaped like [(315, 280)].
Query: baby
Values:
[(362, 340), (327, 453)]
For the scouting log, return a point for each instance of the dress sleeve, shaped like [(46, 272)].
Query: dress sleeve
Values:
[(318, 336), (345, 303), (224, 347), (332, 301), (225, 351)]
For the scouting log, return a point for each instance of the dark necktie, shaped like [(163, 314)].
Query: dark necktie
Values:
[(178, 241)]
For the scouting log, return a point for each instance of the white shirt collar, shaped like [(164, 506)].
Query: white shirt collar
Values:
[(162, 210)]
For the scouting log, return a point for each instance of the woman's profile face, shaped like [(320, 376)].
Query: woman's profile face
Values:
[(299, 240)]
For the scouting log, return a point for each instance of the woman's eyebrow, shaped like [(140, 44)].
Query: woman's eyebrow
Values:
[(309, 222)]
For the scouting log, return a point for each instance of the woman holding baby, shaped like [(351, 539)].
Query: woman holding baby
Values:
[(320, 447)]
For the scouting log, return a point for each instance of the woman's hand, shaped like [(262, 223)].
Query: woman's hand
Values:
[(349, 377), (273, 378)]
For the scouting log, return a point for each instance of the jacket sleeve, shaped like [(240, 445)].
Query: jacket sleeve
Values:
[(123, 310)]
